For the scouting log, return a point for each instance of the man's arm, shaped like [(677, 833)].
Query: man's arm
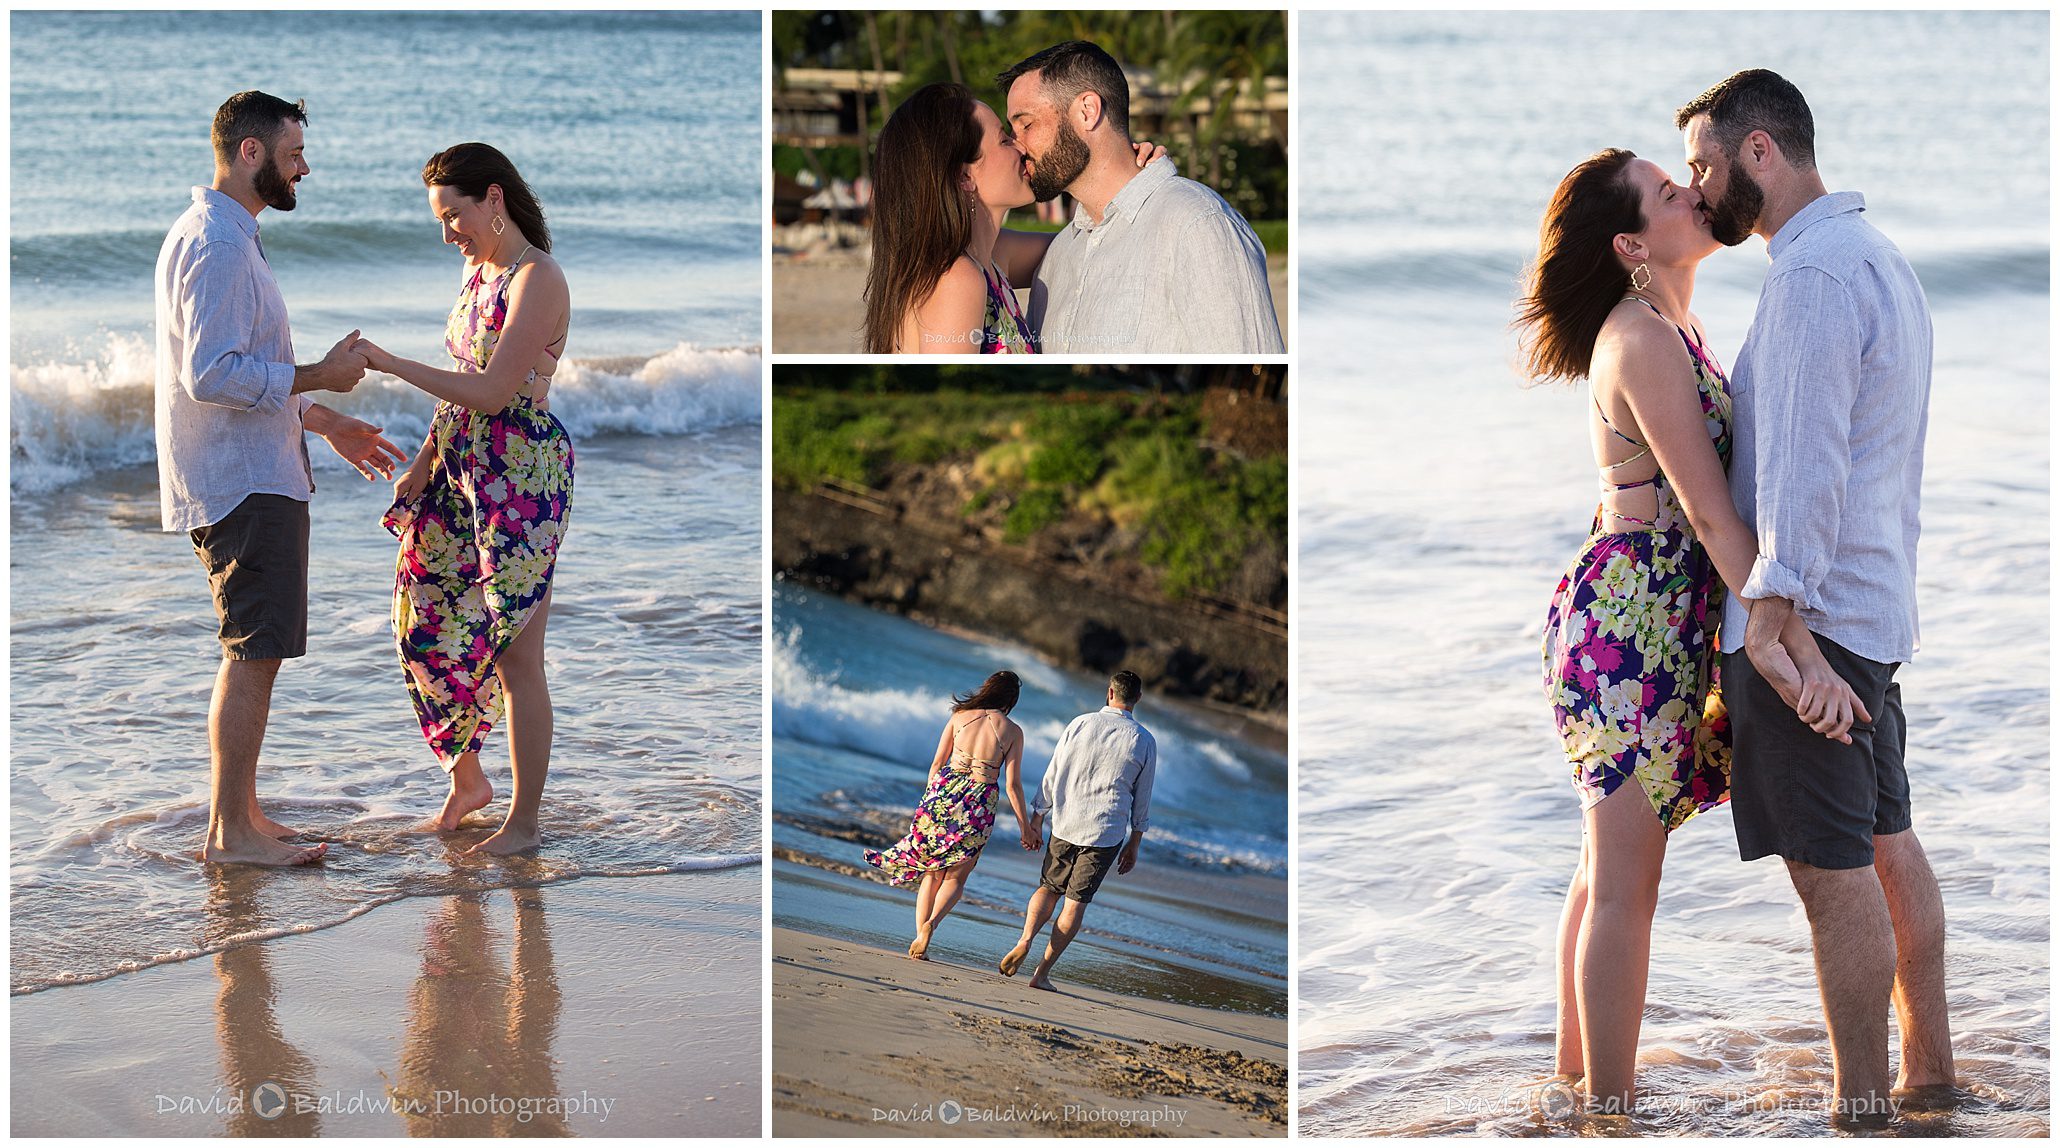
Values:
[(1803, 401), (218, 301), (1227, 305), (1140, 808)]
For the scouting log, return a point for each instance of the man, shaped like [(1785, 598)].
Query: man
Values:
[(1151, 262), (1830, 394), (1097, 788), (232, 465)]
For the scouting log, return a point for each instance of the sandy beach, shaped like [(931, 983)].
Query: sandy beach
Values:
[(598, 1007), (956, 1049), (818, 299)]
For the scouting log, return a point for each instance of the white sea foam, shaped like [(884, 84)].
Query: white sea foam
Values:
[(92, 411)]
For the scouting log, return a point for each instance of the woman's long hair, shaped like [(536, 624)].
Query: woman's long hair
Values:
[(1577, 279), (921, 221), (998, 692), (472, 167)]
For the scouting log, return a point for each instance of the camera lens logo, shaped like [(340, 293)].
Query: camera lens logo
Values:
[(1556, 1101), (950, 1111), (268, 1100)]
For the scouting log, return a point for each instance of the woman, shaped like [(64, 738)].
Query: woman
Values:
[(944, 271), (481, 511), (1630, 639), (980, 746)]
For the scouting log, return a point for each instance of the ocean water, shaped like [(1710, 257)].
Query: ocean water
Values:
[(858, 700), (1441, 499), (641, 134)]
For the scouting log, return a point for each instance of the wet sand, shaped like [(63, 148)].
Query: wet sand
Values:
[(818, 300), (604, 1007), (870, 1043)]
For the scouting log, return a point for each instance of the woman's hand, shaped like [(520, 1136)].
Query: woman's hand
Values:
[(376, 357), (413, 481), (1147, 151), (1824, 701)]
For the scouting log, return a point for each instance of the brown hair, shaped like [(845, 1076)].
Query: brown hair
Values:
[(1074, 67), (921, 221), (998, 692), (1128, 686), (1576, 280), (472, 168), (1756, 100), (252, 114)]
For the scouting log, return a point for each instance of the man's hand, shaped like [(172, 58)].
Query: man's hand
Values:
[(363, 446), (376, 358), (343, 366), (1768, 617), (1033, 833), (1127, 860)]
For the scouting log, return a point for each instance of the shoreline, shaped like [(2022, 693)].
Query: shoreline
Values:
[(869, 1042), (500, 1012)]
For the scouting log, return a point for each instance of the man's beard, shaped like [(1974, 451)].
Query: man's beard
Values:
[(1062, 164), (273, 187), (1732, 218)]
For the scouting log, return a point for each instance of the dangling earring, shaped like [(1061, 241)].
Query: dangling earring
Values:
[(497, 225), (1640, 284)]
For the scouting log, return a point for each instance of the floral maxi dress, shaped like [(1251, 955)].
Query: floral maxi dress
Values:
[(1631, 642), (478, 547), (952, 822)]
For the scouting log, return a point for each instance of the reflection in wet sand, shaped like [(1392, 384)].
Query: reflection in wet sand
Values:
[(477, 1058), (254, 1050)]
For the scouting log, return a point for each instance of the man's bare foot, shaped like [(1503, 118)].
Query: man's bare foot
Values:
[(1038, 981), (249, 847), (1013, 959), (920, 947), (271, 828), (509, 840), (467, 794)]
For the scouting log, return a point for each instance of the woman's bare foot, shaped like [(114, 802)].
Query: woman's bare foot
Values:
[(1040, 981), (509, 839), (247, 846), (470, 790), (919, 948), (1013, 959)]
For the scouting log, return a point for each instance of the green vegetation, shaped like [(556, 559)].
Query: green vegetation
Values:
[(1199, 64), (1135, 462)]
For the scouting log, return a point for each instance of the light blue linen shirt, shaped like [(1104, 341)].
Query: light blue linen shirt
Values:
[(228, 422), (1829, 404), (1171, 267), (1098, 786)]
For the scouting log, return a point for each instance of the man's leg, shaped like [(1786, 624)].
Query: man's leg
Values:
[(1063, 931), (1035, 914), (1919, 917), (236, 732), (1854, 941)]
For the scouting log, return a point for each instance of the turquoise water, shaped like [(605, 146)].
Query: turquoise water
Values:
[(858, 700), (1437, 828)]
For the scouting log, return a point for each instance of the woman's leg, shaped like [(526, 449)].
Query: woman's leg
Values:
[(530, 726), (1626, 845), (950, 888), (926, 896), (470, 790), (1566, 1057)]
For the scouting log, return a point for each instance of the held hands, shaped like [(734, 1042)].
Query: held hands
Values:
[(1033, 834), (376, 357), (1147, 151), (343, 366), (1785, 653)]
